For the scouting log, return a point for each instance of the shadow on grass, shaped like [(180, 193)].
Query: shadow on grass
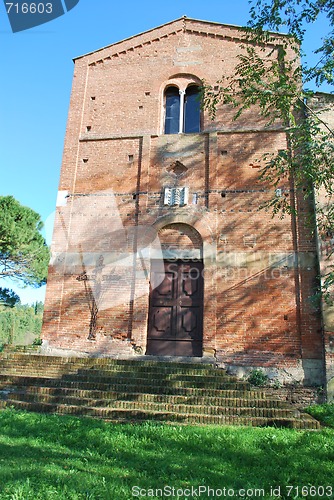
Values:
[(50, 457)]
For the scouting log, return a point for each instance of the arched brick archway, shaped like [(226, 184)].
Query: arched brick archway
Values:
[(175, 326), (181, 241)]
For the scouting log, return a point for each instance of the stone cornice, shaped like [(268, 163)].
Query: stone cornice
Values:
[(186, 25)]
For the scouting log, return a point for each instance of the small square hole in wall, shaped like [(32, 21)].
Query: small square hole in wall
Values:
[(130, 157), (88, 129)]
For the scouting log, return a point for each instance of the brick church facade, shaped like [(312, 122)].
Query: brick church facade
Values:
[(159, 245)]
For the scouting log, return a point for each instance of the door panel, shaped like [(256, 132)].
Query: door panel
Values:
[(162, 322), (166, 287), (176, 310), (189, 283), (189, 320)]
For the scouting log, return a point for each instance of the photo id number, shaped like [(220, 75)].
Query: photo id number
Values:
[(29, 8)]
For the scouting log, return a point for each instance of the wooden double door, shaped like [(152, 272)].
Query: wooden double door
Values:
[(175, 326)]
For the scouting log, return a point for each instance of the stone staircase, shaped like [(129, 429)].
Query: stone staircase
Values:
[(131, 390)]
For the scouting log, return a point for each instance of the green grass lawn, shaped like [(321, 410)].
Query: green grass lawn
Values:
[(61, 457), (324, 413)]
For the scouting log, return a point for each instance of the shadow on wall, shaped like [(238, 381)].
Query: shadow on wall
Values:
[(222, 173)]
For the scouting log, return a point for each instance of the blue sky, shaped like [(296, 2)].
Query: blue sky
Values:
[(36, 81)]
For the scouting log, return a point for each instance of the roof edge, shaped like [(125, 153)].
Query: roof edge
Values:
[(130, 38), (184, 18)]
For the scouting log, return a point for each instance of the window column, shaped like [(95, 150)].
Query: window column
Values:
[(181, 119)]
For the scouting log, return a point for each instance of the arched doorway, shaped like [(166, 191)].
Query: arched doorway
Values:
[(175, 323)]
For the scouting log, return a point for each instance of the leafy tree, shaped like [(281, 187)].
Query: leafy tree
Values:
[(294, 16), (8, 298), (39, 308), (20, 325), (270, 77), (24, 255)]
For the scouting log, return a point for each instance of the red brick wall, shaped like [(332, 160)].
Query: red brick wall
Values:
[(256, 309)]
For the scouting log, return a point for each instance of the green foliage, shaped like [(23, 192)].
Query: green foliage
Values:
[(52, 457), (8, 298), (269, 78), (257, 378), (309, 162), (259, 80), (21, 325), (38, 307), (324, 413), (293, 16), (37, 341), (24, 255)]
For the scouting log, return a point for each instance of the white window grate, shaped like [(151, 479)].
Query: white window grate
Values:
[(176, 196)]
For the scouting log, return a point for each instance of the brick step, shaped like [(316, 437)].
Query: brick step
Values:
[(165, 371), (171, 381), (189, 408), (37, 372), (45, 361), (28, 349), (124, 415), (122, 384), (34, 368), (252, 397), (52, 371), (130, 390)]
